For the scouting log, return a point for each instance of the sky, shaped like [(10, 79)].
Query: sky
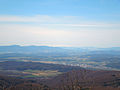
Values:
[(67, 23)]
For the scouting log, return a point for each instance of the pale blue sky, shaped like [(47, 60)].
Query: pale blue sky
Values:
[(60, 22)]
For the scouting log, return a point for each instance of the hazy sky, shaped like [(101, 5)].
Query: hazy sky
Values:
[(74, 23)]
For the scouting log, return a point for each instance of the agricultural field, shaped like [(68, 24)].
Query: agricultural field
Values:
[(38, 73)]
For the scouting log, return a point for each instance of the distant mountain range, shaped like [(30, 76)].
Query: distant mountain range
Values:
[(38, 49), (28, 49)]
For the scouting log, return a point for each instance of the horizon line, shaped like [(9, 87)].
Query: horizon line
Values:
[(59, 46)]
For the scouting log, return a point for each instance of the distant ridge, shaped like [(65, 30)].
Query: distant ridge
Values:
[(20, 49), (49, 49)]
